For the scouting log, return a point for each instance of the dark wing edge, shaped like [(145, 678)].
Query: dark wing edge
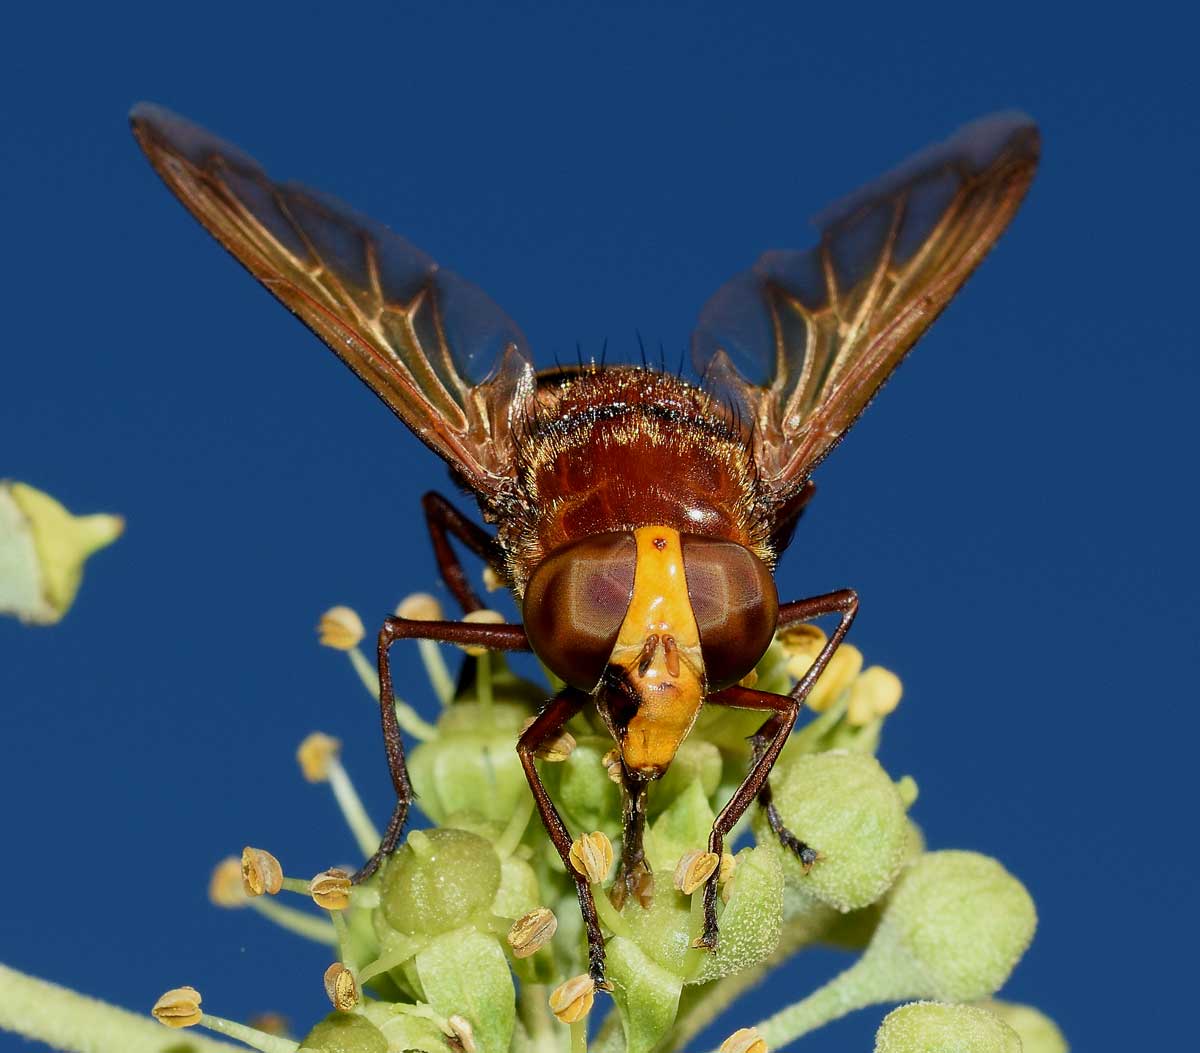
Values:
[(410, 330), (802, 342)]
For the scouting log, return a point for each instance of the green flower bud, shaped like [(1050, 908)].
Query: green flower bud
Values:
[(682, 827), (959, 922), (406, 1027), (752, 919), (518, 893), (437, 881), (42, 551), (663, 931), (846, 807), (465, 973), (696, 762), (931, 1027), (1039, 1034), (772, 670), (344, 1033), (646, 994), (953, 928), (472, 769), (580, 786)]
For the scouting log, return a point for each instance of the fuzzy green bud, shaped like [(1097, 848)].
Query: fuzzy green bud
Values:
[(471, 770), (1039, 1034), (438, 880), (752, 919), (696, 761), (681, 828), (344, 1033), (465, 973), (646, 994), (582, 788), (960, 922), (846, 807), (407, 1027), (953, 928), (931, 1027)]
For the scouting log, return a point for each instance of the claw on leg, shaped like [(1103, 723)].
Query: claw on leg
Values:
[(803, 851), (637, 882)]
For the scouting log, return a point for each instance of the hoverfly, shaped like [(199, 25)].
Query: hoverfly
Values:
[(638, 516)]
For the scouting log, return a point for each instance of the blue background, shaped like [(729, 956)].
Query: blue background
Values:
[(1016, 511)]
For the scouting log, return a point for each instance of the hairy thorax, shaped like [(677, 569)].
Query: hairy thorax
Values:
[(615, 449)]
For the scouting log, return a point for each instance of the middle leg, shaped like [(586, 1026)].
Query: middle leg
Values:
[(548, 723)]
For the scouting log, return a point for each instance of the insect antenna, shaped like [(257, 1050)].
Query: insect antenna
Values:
[(662, 357), (641, 346), (682, 360), (603, 352)]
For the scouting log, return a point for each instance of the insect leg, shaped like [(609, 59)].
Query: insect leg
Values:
[(495, 637), (845, 603), (548, 723), (443, 520), (770, 738), (784, 709)]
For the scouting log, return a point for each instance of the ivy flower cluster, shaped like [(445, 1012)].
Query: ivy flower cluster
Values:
[(469, 939)]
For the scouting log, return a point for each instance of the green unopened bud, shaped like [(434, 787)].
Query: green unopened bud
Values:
[(583, 787), (42, 551), (464, 973), (960, 921), (472, 767), (922, 1027), (846, 807), (1039, 1034), (646, 994), (953, 928), (345, 1033), (696, 761), (405, 1026), (682, 827), (438, 880), (752, 919)]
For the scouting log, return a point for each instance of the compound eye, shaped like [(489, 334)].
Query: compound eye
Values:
[(575, 603), (735, 603)]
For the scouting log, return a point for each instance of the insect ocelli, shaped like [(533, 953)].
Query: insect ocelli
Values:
[(638, 517)]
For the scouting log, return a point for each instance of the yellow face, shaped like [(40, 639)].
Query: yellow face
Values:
[(658, 650), (649, 621)]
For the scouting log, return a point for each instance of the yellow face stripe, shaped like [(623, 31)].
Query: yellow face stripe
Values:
[(658, 647)]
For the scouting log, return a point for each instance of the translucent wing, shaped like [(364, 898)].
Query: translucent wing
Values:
[(436, 349), (803, 341)]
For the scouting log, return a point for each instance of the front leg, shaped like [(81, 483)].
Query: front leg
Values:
[(546, 725), (784, 710), (845, 603), (770, 739), (479, 634)]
